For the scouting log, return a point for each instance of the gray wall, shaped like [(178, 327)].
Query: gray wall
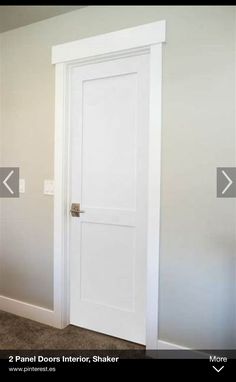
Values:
[(197, 293)]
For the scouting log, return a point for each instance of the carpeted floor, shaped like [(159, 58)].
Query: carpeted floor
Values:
[(20, 333)]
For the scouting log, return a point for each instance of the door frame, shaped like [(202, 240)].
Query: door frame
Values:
[(147, 38)]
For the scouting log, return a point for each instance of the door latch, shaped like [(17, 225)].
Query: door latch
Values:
[(75, 210)]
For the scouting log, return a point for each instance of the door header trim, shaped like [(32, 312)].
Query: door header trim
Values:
[(140, 36)]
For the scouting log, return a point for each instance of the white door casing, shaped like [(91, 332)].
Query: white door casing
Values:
[(130, 42)]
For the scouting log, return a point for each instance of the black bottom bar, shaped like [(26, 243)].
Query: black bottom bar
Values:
[(220, 364)]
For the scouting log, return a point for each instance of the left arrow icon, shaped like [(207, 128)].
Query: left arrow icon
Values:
[(9, 182), (5, 182)]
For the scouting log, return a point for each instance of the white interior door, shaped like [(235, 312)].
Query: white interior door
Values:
[(109, 143)]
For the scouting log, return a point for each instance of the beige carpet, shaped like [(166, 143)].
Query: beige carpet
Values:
[(20, 333)]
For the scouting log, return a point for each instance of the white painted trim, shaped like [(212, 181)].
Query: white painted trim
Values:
[(143, 35), (99, 48), (164, 345), (60, 198), (154, 179), (192, 353), (32, 312)]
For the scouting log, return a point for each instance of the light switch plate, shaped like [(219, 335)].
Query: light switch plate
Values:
[(22, 186), (48, 188)]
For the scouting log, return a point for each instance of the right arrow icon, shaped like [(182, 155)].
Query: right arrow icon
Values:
[(226, 182), (218, 370), (229, 180)]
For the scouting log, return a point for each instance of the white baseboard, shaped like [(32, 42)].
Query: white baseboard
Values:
[(32, 312), (163, 345), (48, 317)]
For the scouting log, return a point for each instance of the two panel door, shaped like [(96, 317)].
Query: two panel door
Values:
[(109, 109)]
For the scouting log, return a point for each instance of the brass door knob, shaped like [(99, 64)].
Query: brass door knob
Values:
[(75, 210)]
